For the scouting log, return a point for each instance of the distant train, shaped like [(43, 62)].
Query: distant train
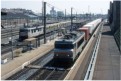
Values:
[(71, 44), (28, 32), (92, 25)]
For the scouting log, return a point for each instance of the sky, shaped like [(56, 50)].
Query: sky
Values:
[(79, 6)]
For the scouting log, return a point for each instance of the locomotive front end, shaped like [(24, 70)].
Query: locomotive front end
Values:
[(63, 51), (23, 34)]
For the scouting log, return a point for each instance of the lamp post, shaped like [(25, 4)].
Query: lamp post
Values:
[(11, 39), (71, 18), (44, 14), (65, 14), (11, 43)]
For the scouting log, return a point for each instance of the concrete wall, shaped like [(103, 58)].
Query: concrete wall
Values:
[(110, 13), (120, 27), (114, 17)]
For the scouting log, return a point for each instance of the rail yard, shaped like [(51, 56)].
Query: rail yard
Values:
[(60, 47)]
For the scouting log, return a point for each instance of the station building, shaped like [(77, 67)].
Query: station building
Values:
[(17, 17)]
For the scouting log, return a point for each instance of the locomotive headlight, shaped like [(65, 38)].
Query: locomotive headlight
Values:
[(68, 55), (56, 54), (72, 50)]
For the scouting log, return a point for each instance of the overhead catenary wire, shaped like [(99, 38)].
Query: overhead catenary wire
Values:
[(65, 12)]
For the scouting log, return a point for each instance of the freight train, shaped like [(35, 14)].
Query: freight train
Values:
[(68, 47), (34, 31)]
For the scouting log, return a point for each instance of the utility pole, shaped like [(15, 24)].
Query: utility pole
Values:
[(42, 13), (65, 14), (71, 18), (44, 22), (89, 15), (88, 8), (83, 15), (76, 16), (11, 43)]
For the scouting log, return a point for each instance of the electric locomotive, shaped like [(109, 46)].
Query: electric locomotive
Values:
[(69, 46)]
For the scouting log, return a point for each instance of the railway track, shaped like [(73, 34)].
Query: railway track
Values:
[(82, 63), (49, 74), (8, 48), (15, 31), (5, 50), (26, 71), (9, 30), (49, 70), (55, 75), (8, 34)]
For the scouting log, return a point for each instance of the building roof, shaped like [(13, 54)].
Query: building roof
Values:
[(13, 15), (3, 13)]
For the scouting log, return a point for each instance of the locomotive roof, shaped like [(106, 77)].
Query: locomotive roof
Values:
[(71, 37), (38, 26), (31, 27)]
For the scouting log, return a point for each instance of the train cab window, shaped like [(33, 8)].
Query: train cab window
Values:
[(38, 29), (57, 26), (48, 28), (54, 27), (23, 30), (28, 30), (34, 30), (80, 42), (64, 46)]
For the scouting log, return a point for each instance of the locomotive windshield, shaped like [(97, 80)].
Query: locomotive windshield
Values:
[(64, 46), (23, 30)]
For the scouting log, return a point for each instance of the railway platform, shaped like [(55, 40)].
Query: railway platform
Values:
[(18, 63), (107, 65)]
